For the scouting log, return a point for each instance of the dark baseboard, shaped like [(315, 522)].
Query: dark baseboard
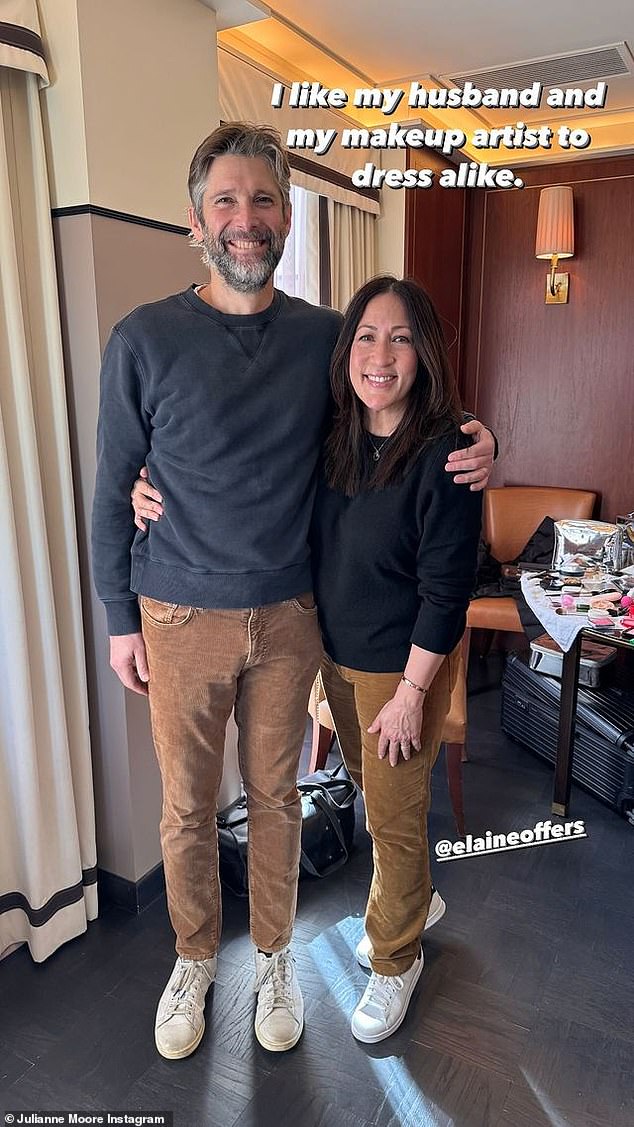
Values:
[(131, 895)]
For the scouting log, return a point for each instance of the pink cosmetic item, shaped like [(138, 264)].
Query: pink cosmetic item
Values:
[(599, 618)]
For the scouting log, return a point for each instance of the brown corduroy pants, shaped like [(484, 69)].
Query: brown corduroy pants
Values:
[(203, 663), (396, 803)]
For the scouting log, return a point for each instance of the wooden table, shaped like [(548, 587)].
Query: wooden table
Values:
[(568, 712)]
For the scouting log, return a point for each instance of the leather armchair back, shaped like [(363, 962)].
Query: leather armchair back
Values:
[(513, 512)]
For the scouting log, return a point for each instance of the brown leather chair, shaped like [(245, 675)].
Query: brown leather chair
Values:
[(511, 515), (323, 726)]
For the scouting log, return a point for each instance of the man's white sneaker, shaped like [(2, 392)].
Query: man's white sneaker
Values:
[(384, 1004), (279, 1017), (437, 909), (180, 1018)]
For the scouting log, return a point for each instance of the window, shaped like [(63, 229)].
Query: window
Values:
[(298, 270)]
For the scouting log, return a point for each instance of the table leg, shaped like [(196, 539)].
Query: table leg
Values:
[(566, 734)]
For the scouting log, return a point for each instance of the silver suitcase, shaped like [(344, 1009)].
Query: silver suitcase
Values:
[(547, 657)]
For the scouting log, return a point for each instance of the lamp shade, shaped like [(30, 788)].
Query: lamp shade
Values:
[(555, 223)]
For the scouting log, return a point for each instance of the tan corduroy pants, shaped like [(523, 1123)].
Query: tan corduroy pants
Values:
[(202, 664), (396, 803)]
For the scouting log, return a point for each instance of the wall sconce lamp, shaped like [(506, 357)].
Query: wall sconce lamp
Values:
[(555, 238)]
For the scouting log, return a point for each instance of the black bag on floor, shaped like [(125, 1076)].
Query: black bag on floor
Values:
[(232, 846), (327, 820), (327, 829)]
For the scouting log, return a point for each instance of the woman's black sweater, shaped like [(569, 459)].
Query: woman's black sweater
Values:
[(396, 566)]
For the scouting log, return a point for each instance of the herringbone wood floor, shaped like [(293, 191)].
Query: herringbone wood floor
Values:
[(523, 1016)]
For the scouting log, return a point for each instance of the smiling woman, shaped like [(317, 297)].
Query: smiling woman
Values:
[(390, 377), (394, 547), (383, 363)]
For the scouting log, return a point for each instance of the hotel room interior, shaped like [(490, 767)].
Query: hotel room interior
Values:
[(523, 1015)]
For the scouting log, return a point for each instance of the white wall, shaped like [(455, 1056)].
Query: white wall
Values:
[(134, 90)]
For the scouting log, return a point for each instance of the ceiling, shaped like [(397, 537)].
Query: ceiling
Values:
[(361, 43)]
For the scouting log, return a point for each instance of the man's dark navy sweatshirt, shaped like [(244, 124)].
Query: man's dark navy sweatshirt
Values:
[(228, 414)]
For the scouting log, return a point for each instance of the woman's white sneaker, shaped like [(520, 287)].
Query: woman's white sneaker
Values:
[(437, 909), (180, 1018), (383, 1006), (279, 1016)]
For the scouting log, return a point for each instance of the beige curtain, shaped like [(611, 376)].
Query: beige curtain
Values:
[(20, 40), (352, 235), (47, 834)]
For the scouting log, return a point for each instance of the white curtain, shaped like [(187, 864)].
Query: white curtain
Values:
[(298, 271), (47, 834), (352, 235)]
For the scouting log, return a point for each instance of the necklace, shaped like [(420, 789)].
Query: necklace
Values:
[(377, 449)]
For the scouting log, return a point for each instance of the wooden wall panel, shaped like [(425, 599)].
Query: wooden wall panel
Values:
[(434, 249), (555, 382)]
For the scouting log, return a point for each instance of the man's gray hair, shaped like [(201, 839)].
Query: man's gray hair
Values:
[(238, 138)]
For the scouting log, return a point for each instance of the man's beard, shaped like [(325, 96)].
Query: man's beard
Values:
[(242, 275)]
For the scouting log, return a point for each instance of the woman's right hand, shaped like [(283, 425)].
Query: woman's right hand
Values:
[(146, 501)]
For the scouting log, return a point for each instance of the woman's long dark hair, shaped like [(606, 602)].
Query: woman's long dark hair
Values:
[(433, 405)]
